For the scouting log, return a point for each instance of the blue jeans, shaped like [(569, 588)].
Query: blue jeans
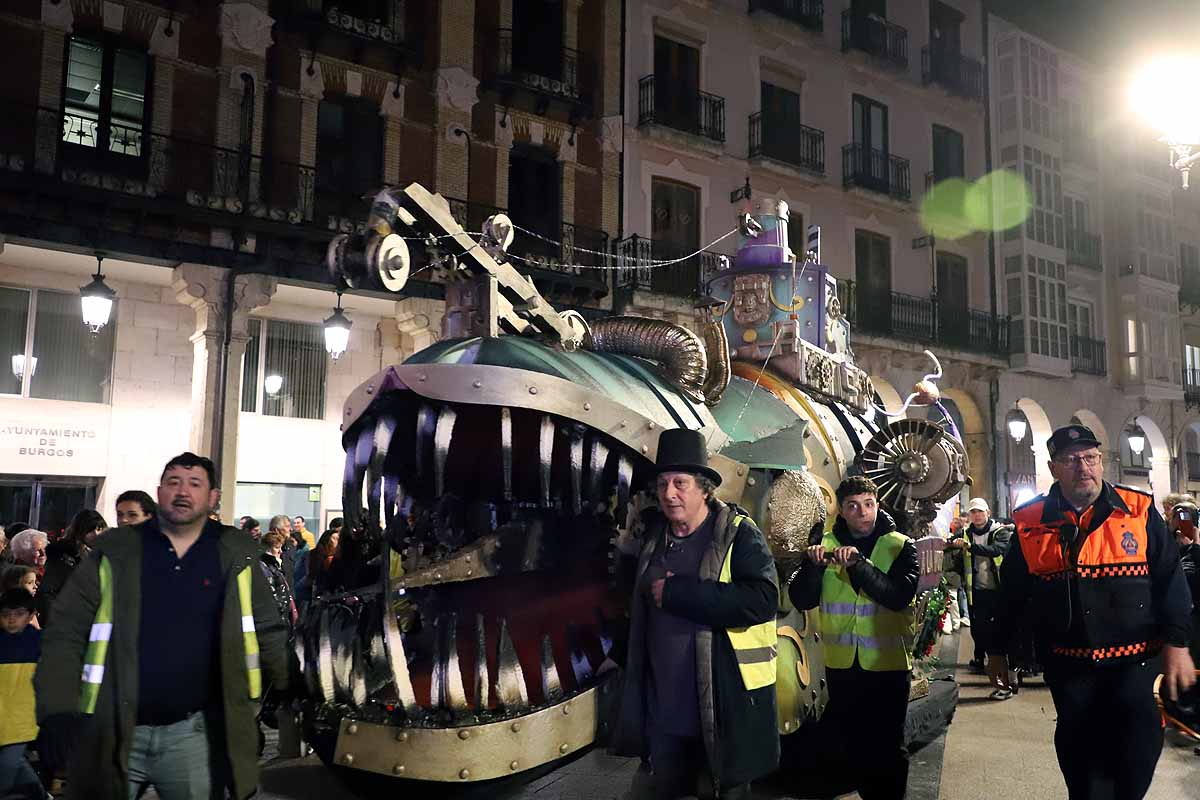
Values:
[(17, 775), (174, 759), (962, 602)]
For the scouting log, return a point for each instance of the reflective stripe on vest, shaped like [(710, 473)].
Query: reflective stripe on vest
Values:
[(97, 650), (249, 637), (754, 646), (970, 572), (853, 624)]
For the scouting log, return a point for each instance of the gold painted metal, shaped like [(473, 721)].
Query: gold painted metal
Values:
[(733, 477), (489, 751)]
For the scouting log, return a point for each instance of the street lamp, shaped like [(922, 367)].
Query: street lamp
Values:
[(1154, 97), (96, 300), (1017, 426), (272, 384), (18, 365), (1136, 439), (337, 331)]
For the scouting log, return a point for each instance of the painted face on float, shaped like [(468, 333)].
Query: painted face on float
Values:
[(751, 301)]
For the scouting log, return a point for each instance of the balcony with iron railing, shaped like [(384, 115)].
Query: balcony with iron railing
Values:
[(808, 14), (874, 35), (782, 138), (1191, 387), (1192, 460), (1088, 356), (1083, 249), (552, 74), (693, 112), (368, 21), (876, 171), (922, 319), (639, 267), (953, 71)]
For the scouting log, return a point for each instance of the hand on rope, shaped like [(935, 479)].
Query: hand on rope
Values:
[(925, 391)]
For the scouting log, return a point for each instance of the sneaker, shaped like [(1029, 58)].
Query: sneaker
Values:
[(946, 627), (1001, 694), (957, 624), (966, 622)]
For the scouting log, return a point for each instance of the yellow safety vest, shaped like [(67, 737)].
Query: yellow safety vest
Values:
[(854, 624), (95, 656), (754, 646), (970, 571)]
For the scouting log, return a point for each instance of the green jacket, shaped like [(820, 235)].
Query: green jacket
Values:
[(99, 768)]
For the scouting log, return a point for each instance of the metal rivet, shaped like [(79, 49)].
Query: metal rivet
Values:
[(464, 773), (348, 758), (513, 765), (347, 411), (564, 747), (398, 769), (533, 390), (587, 406), (370, 388), (650, 426), (740, 471), (351, 729), (401, 736), (816, 636), (624, 423), (567, 709), (478, 384), (421, 378), (469, 573), (437, 576), (341, 427), (464, 734), (749, 481), (645, 449), (516, 727), (814, 694)]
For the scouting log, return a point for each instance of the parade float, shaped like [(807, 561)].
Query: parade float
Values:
[(501, 474)]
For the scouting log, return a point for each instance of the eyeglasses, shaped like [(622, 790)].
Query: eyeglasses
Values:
[(1087, 460)]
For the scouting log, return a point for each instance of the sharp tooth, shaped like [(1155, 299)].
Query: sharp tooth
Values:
[(552, 690), (343, 656), (356, 471), (385, 427), (426, 419), (510, 680), (325, 657), (394, 646), (437, 668), (546, 457), (455, 698), (348, 486), (506, 450), (441, 446), (481, 665), (580, 664), (358, 680), (624, 480), (577, 473), (391, 493), (596, 473)]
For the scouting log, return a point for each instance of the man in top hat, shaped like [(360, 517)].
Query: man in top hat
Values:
[(983, 544), (1110, 610), (699, 693)]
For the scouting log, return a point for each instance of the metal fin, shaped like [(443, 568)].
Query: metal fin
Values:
[(481, 665), (576, 453), (506, 451), (325, 657), (624, 481), (385, 427), (426, 419), (393, 643), (581, 665), (437, 668), (552, 689), (348, 487), (358, 674), (545, 457), (455, 696), (510, 680), (597, 463), (392, 493), (441, 447)]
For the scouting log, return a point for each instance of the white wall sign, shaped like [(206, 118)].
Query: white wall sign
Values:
[(54, 438)]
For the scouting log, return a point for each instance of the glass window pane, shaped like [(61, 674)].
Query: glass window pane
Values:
[(294, 378), (14, 316), (85, 65), (250, 367), (128, 102), (72, 364)]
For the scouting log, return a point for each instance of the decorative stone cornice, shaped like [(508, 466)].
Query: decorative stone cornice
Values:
[(457, 88), (246, 27), (60, 15), (202, 288), (612, 134)]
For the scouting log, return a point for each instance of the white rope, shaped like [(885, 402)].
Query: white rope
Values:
[(908, 401), (648, 264), (757, 378)]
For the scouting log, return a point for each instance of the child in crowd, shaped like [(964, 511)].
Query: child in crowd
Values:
[(20, 647), (21, 576)]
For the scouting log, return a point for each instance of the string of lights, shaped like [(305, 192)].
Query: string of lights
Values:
[(639, 264)]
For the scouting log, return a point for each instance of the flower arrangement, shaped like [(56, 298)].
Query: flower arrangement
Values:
[(932, 608)]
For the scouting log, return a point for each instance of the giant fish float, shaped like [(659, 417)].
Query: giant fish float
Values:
[(496, 477)]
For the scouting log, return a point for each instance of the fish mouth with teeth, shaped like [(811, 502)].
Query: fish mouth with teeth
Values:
[(498, 491)]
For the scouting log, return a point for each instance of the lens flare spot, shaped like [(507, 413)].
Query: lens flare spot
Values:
[(998, 201), (943, 210)]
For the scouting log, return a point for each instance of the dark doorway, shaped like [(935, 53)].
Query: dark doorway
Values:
[(676, 84), (873, 278), (871, 165), (675, 230), (47, 504), (538, 37), (534, 200)]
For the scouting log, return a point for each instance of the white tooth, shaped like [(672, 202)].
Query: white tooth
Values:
[(452, 682), (441, 447), (552, 690), (394, 643), (426, 420), (481, 665), (596, 474), (325, 656), (510, 680), (382, 440), (624, 480), (545, 457), (437, 668), (358, 680), (506, 450), (576, 438)]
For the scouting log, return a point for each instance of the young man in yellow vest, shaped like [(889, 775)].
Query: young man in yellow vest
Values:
[(1110, 607), (864, 576), (163, 640), (699, 691)]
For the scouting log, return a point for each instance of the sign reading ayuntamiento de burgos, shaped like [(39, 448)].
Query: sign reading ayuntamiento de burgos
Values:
[(68, 441)]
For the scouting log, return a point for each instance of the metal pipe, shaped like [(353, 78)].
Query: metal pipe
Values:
[(461, 131), (218, 449)]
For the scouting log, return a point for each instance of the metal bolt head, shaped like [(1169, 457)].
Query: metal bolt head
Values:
[(464, 773), (587, 406), (351, 729), (564, 747), (566, 709), (645, 449), (370, 388), (422, 378), (515, 727), (477, 384), (533, 390), (398, 769), (348, 758), (513, 765), (401, 736), (464, 734)]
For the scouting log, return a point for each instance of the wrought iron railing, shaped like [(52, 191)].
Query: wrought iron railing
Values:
[(876, 170), (1193, 465), (806, 13), (1191, 387), (694, 112), (921, 319), (638, 263), (553, 73), (782, 138), (959, 74), (1083, 249), (1088, 356), (380, 21), (874, 35)]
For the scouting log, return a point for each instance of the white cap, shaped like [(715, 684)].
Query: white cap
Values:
[(978, 504)]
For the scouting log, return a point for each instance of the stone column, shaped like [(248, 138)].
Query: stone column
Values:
[(203, 289), (418, 324)]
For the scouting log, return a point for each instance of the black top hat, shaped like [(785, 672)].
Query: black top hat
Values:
[(1069, 435), (683, 450)]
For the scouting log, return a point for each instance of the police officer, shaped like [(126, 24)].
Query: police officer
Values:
[(864, 576), (1108, 597)]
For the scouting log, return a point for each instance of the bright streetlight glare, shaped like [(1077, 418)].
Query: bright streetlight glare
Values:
[(1154, 95)]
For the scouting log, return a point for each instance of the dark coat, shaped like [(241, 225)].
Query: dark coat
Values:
[(99, 768), (62, 557), (739, 727)]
